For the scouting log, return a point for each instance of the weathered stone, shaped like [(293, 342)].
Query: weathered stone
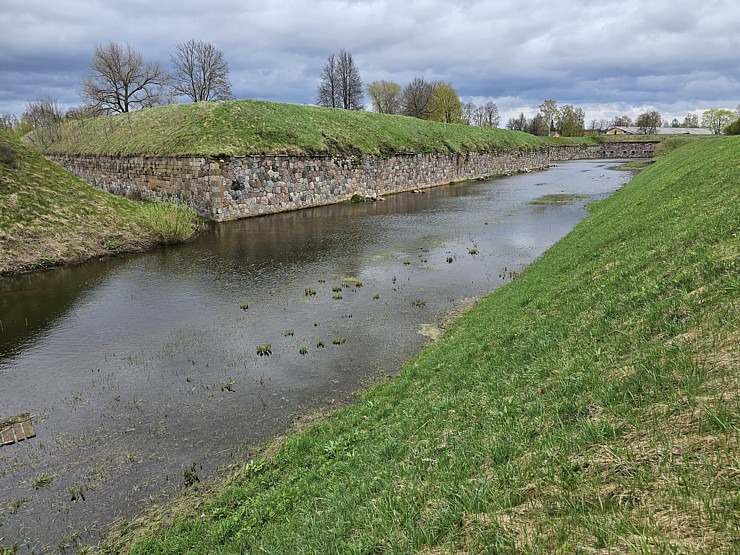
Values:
[(279, 183)]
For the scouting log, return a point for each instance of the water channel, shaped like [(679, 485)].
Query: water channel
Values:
[(141, 366)]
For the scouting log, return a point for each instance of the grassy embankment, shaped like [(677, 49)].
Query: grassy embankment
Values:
[(245, 127), (49, 217), (590, 406)]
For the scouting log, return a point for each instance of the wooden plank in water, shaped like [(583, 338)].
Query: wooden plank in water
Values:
[(16, 428)]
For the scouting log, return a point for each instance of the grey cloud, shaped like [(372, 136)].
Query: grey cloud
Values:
[(607, 55)]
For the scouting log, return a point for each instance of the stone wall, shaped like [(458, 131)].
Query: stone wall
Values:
[(242, 186), (603, 150)]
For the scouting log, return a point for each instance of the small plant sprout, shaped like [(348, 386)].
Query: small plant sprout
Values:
[(337, 289), (406, 262), (338, 340), (244, 306), (42, 480), (450, 260), (76, 493), (264, 350), (473, 251), (190, 475), (322, 280), (303, 350), (288, 333), (376, 296), (320, 344), (337, 297), (420, 303), (227, 385), (309, 292), (358, 284)]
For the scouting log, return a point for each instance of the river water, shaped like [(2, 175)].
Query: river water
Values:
[(143, 371)]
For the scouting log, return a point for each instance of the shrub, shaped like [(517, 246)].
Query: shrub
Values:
[(173, 223), (7, 154), (733, 128)]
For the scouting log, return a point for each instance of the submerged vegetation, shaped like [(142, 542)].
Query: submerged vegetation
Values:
[(556, 198), (50, 217), (591, 405)]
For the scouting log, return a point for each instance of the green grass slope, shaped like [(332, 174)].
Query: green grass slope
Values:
[(50, 217), (590, 406), (244, 127)]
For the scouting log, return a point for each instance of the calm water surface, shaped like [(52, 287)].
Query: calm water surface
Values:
[(138, 367)]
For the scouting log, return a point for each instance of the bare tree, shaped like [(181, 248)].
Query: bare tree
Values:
[(470, 112), (490, 116), (622, 121), (80, 112), (341, 85), (517, 124), (417, 98), (45, 119), (649, 122), (385, 97), (329, 85), (8, 122), (200, 72), (122, 81)]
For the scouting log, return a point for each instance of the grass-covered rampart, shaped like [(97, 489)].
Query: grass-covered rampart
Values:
[(244, 127), (590, 406), (50, 217)]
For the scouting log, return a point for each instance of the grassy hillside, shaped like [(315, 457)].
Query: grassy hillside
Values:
[(590, 406), (49, 217), (254, 127)]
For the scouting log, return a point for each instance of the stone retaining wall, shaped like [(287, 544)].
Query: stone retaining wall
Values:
[(242, 186), (603, 150)]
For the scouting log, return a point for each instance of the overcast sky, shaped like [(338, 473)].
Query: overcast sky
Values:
[(609, 57)]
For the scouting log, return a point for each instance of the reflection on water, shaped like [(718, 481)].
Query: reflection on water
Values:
[(137, 367)]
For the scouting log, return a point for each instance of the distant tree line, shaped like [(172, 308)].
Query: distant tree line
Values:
[(566, 121), (121, 80), (340, 86)]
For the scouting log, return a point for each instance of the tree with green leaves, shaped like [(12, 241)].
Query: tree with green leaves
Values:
[(445, 106), (385, 97), (571, 121), (717, 119), (733, 128), (550, 113), (691, 121)]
